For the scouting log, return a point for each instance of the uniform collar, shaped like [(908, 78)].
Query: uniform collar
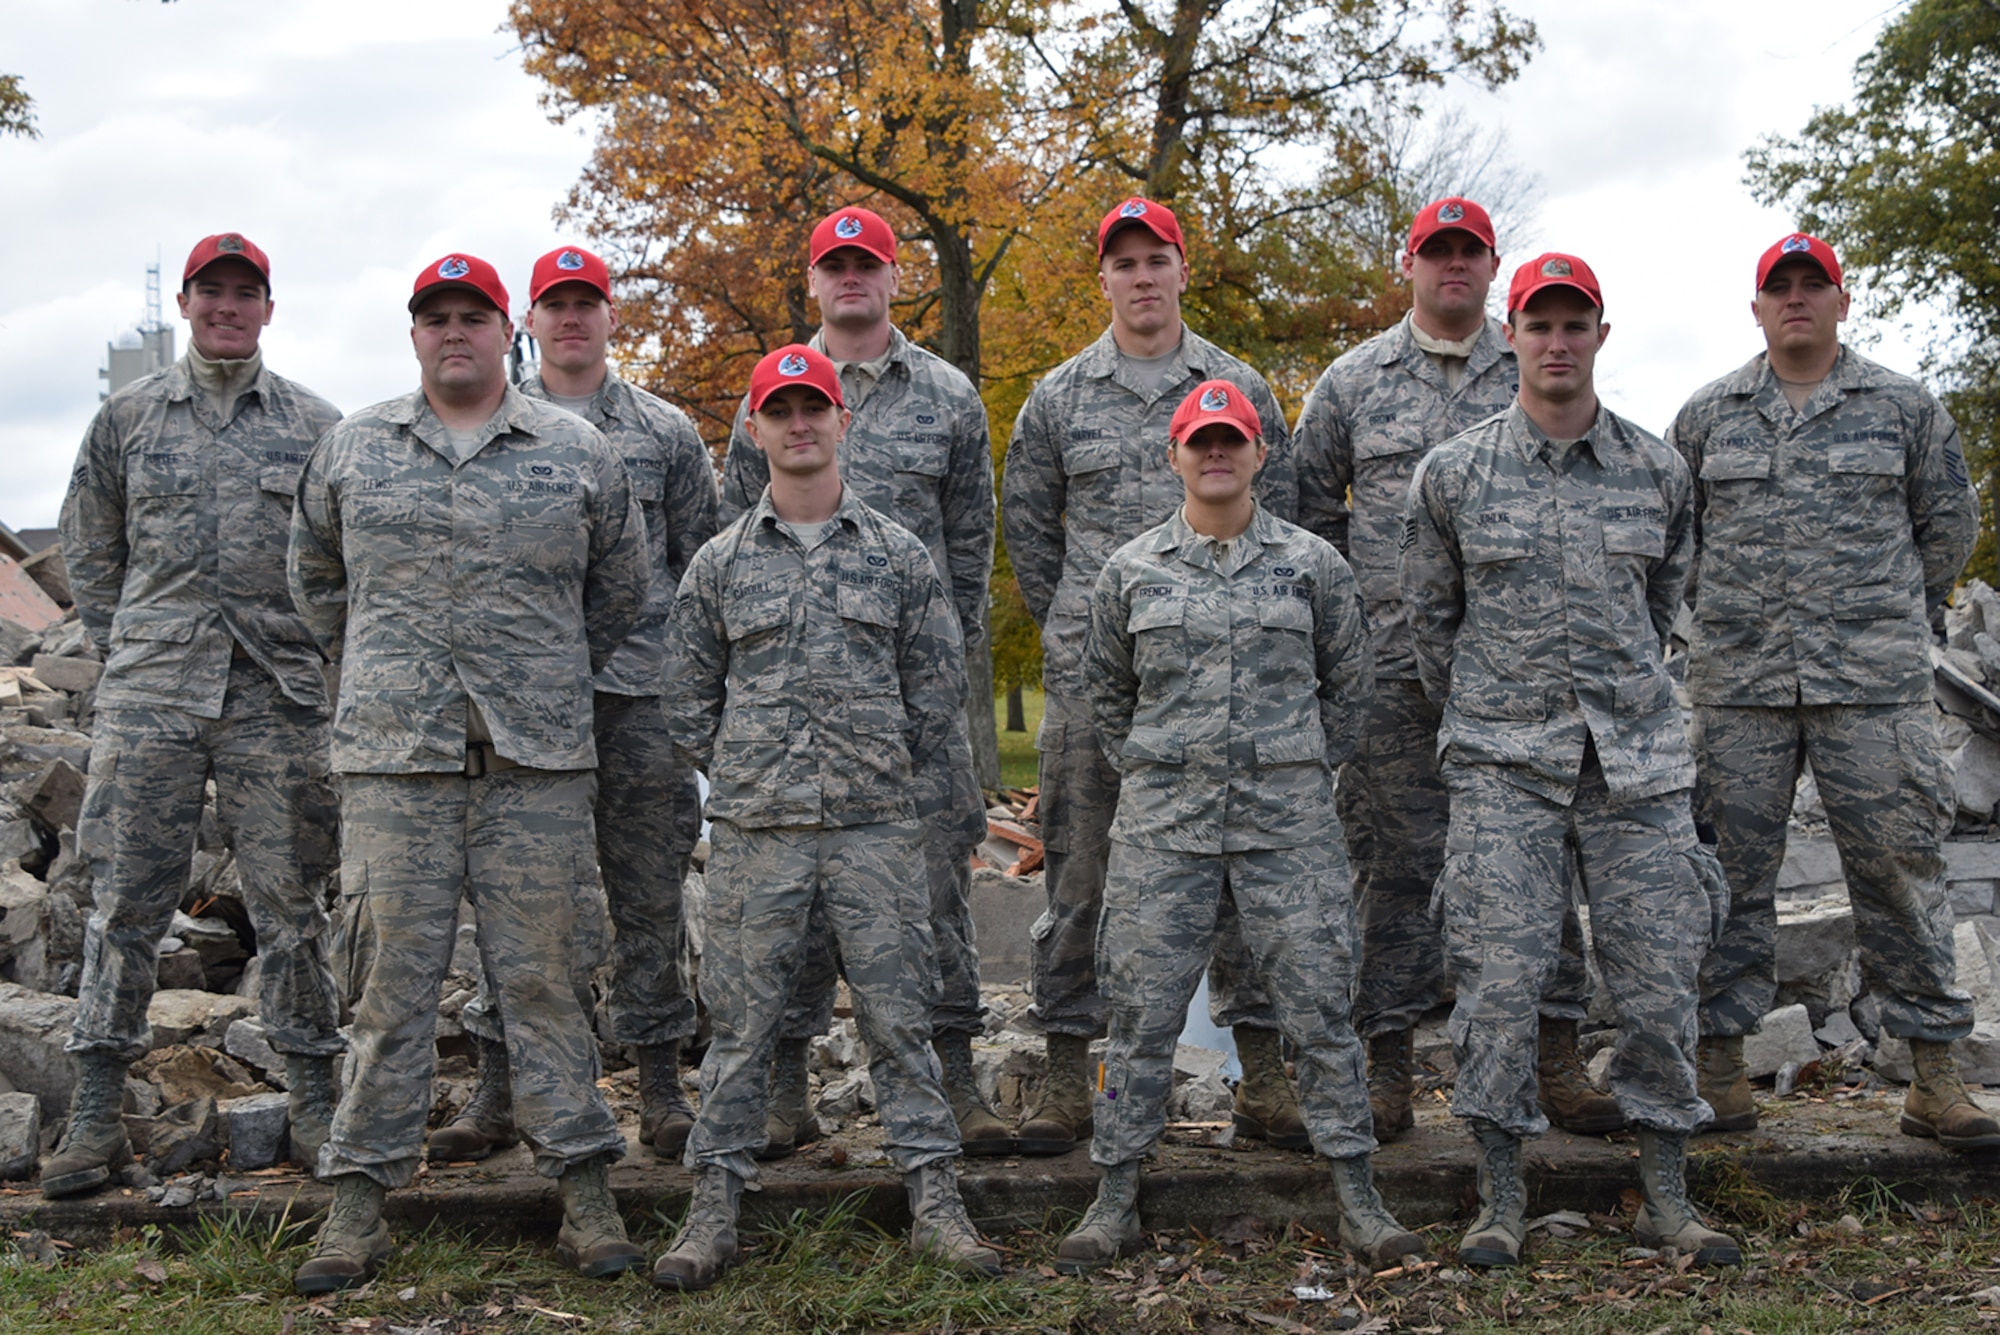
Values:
[(517, 412), (1401, 346), (1194, 355), (1602, 438), (180, 382), (850, 513), (1178, 536)]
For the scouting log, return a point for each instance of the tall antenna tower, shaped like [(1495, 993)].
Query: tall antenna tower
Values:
[(141, 352)]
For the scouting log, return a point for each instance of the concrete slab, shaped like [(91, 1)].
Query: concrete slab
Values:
[(1806, 1149)]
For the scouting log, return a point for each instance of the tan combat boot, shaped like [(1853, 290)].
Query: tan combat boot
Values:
[(705, 1246), (1500, 1228), (592, 1237), (95, 1146), (1938, 1106), (311, 1097), (1723, 1081), (1109, 1228), (486, 1122), (353, 1242), (980, 1133), (1266, 1107), (1061, 1115), (1568, 1098), (939, 1225), (1392, 1064), (1366, 1227), (789, 1123), (665, 1117), (1667, 1218)]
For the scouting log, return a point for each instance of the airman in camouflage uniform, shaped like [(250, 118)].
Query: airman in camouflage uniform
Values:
[(1833, 515), (648, 814), (174, 531), (917, 450), (1084, 475), (1544, 555), (1372, 415), (814, 667), (471, 557), (1229, 669)]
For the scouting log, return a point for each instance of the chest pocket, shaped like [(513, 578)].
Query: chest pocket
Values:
[(743, 617), (1640, 539), (1294, 614), (649, 487), (1389, 440), (381, 507), (280, 481), (1494, 543), (869, 606), (546, 509), (1875, 458), (924, 460), (1083, 457), (163, 474), (1156, 614), (1736, 466)]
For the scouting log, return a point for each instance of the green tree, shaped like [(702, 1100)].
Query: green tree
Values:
[(17, 109), (1905, 183)]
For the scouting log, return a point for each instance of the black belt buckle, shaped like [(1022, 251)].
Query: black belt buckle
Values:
[(479, 757)]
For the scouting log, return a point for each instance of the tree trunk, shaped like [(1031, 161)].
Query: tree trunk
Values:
[(1017, 713), (979, 712)]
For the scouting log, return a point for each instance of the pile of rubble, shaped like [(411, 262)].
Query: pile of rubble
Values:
[(211, 1091)]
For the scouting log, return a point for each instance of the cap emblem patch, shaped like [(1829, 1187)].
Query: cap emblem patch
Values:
[(1132, 208), (1451, 213), (1215, 401), (569, 260), (793, 364), (847, 227), (229, 244), (1555, 269), (453, 267), (1792, 245)]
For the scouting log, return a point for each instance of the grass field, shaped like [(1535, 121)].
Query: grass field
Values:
[(1017, 749), (1867, 1262)]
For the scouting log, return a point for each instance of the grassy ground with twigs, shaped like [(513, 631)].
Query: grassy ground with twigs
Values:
[(1866, 1263), (1017, 749)]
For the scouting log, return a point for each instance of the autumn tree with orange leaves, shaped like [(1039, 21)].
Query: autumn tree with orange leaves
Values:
[(992, 134)]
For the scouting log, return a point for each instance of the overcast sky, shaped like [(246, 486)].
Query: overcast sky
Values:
[(356, 139)]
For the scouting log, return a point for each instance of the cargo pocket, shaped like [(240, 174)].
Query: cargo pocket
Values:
[(353, 952)]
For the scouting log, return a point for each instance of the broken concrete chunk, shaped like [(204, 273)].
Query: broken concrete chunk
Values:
[(1785, 1036), (67, 674), (257, 1130), (20, 1135)]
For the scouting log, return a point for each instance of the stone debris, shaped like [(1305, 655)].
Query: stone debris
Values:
[(212, 1091), (20, 1135)]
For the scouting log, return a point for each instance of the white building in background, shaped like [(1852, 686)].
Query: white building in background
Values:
[(138, 353)]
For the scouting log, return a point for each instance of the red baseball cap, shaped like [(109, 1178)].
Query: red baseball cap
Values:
[(861, 228), (1155, 218), (1452, 213), (794, 364), (459, 271), (226, 246), (1552, 270), (1799, 246), (1215, 401), (568, 264)]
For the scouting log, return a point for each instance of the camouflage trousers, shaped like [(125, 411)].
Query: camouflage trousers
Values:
[(1295, 914), (142, 806), (1079, 796), (1395, 809), (948, 874), (519, 843), (1656, 897), (648, 818), (1886, 785), (763, 886)]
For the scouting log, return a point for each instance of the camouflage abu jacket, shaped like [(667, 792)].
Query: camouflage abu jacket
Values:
[(1370, 417), (174, 533), (1087, 472), (811, 685), (1226, 693), (509, 578), (673, 480), (1828, 539), (1541, 585)]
